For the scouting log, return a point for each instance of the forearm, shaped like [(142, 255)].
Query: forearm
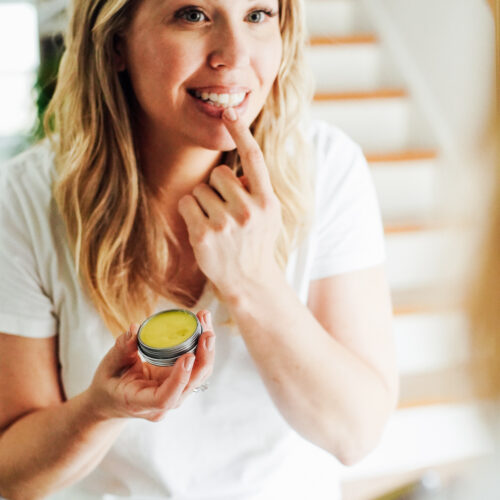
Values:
[(329, 395), (53, 448)]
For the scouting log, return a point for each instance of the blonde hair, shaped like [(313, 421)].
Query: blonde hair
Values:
[(123, 247)]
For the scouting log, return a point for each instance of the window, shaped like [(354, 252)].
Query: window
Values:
[(19, 59)]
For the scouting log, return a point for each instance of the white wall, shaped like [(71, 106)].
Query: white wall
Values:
[(451, 45), (19, 59)]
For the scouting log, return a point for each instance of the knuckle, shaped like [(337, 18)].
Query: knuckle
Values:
[(244, 216), (202, 237), (270, 202), (221, 223), (225, 170), (184, 202), (253, 155), (217, 172), (198, 189)]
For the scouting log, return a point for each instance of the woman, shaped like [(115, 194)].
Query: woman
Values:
[(135, 206)]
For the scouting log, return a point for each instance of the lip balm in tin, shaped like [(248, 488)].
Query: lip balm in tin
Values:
[(167, 335)]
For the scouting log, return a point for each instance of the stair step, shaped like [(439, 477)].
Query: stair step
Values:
[(377, 124), (430, 342), (431, 334), (428, 300), (338, 65), (392, 486), (338, 17), (386, 93), (401, 156), (406, 189), (425, 437), (360, 39), (396, 228), (449, 386), (421, 256)]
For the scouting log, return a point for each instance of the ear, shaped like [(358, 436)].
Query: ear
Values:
[(119, 53)]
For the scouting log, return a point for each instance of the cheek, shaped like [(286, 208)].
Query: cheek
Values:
[(178, 62), (160, 69), (269, 62)]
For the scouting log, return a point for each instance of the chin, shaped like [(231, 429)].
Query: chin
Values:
[(219, 142)]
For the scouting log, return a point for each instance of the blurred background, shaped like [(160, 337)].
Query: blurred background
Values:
[(413, 83)]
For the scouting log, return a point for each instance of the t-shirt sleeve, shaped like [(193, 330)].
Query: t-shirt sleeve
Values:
[(349, 231), (25, 307)]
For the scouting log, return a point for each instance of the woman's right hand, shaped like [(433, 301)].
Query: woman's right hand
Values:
[(124, 386)]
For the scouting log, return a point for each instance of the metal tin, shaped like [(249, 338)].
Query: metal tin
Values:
[(167, 356)]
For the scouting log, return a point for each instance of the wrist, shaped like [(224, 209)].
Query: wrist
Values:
[(93, 409), (254, 289)]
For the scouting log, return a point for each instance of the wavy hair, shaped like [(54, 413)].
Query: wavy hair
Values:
[(125, 252)]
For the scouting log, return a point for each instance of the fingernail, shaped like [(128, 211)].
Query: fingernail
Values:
[(128, 335), (209, 343), (188, 363), (230, 114)]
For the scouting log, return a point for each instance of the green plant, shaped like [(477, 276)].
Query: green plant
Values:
[(51, 50)]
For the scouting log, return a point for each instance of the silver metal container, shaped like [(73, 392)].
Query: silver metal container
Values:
[(167, 356)]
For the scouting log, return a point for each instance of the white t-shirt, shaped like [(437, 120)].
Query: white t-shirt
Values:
[(230, 442)]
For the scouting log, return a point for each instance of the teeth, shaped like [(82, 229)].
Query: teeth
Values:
[(235, 99), (222, 100)]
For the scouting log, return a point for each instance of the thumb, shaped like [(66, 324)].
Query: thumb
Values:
[(123, 353)]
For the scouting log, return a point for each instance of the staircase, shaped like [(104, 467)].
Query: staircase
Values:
[(360, 89)]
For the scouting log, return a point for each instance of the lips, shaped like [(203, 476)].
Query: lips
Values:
[(215, 111)]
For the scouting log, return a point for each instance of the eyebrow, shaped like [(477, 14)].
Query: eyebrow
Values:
[(164, 4)]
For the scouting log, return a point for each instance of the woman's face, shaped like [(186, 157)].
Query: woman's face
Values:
[(179, 53)]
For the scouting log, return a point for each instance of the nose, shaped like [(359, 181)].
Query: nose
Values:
[(230, 48)]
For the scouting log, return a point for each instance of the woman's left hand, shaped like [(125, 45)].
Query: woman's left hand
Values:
[(233, 230)]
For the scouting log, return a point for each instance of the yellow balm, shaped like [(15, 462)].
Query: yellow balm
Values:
[(167, 335), (168, 329)]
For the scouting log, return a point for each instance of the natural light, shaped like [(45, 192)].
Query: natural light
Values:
[(19, 59)]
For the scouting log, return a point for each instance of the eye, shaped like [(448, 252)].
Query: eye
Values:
[(258, 16), (191, 15)]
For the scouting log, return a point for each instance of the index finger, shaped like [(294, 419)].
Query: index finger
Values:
[(252, 159)]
